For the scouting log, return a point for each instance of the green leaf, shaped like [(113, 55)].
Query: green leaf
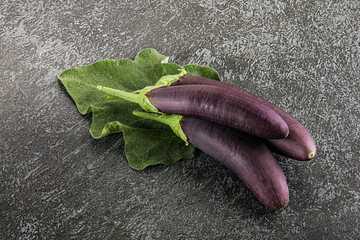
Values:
[(122, 74), (147, 142), (171, 68), (202, 71), (143, 149)]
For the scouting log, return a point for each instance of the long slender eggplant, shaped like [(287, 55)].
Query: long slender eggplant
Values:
[(243, 154), (214, 104), (298, 145), (221, 106)]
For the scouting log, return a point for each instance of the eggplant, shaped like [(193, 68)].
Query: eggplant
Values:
[(245, 155), (211, 103), (220, 106), (298, 145)]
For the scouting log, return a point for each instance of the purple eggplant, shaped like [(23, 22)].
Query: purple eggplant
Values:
[(221, 106), (210, 103), (245, 155), (298, 145)]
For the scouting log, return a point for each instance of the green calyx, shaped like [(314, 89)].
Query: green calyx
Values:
[(139, 96), (172, 120), (167, 80)]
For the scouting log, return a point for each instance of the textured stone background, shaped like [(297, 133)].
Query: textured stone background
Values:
[(56, 182)]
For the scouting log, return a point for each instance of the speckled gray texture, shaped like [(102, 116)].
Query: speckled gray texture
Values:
[(56, 182)]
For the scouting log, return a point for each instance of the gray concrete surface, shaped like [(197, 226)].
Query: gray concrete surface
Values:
[(56, 182)]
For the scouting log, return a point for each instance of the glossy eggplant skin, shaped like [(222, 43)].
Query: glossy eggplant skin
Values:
[(298, 145), (222, 106), (245, 155)]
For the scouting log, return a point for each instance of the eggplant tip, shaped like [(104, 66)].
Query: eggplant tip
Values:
[(311, 155), (279, 208), (287, 134)]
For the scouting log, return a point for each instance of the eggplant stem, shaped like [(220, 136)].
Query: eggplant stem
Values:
[(131, 97), (139, 98), (172, 120)]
